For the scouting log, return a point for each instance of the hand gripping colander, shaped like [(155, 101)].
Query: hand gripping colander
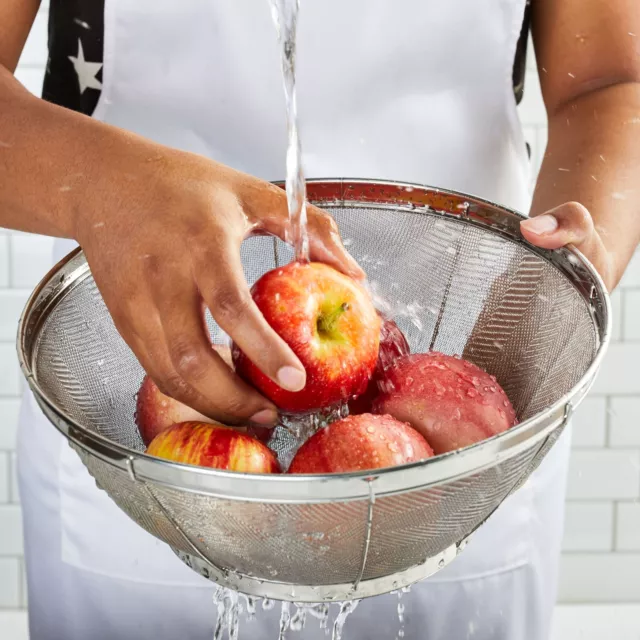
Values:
[(458, 278)]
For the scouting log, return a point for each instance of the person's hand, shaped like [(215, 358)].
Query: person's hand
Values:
[(570, 223), (162, 240)]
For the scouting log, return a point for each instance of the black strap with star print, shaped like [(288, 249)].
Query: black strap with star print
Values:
[(74, 69)]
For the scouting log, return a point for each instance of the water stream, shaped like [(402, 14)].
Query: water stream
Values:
[(285, 18)]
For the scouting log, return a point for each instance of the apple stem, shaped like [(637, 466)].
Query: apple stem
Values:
[(327, 322)]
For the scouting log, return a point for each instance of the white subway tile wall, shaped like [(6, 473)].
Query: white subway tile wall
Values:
[(628, 526), (603, 503)]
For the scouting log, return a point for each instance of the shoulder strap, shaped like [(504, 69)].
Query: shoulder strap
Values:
[(520, 62)]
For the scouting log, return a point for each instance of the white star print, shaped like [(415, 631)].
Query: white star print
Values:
[(86, 70)]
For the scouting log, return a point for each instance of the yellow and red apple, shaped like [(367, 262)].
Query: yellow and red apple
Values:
[(213, 445)]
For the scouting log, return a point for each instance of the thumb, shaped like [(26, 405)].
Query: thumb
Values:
[(570, 223)]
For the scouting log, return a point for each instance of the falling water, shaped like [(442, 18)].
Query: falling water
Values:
[(285, 17), (402, 591), (227, 604), (285, 620), (293, 615), (346, 608)]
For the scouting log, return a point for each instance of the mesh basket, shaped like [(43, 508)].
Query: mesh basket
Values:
[(459, 279)]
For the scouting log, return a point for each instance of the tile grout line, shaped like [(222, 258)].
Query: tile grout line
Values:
[(21, 585), (7, 472), (622, 308), (614, 528), (607, 422), (12, 461)]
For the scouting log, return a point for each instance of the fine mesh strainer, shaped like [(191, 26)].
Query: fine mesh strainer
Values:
[(459, 279)]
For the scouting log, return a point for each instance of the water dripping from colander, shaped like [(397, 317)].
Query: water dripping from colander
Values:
[(226, 602), (285, 619), (346, 609), (400, 610)]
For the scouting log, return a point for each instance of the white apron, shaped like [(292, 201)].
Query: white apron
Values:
[(414, 90)]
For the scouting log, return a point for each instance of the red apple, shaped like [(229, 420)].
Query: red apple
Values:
[(329, 322), (450, 401), (358, 443), (213, 445), (156, 412), (393, 344)]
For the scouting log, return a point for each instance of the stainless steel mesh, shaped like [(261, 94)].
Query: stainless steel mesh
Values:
[(457, 278)]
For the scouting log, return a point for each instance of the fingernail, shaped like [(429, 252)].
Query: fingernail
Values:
[(266, 416), (291, 379), (541, 225)]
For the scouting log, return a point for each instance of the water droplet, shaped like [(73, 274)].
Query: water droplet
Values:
[(441, 563)]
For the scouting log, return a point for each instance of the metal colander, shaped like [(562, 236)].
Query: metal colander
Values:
[(458, 278)]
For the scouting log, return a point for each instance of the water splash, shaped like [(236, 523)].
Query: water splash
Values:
[(295, 429), (285, 18), (412, 311)]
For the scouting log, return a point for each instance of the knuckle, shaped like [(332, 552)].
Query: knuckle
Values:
[(235, 405), (189, 361), (151, 265), (579, 212), (171, 384), (229, 302)]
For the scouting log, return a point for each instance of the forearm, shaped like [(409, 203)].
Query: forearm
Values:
[(593, 157), (55, 163)]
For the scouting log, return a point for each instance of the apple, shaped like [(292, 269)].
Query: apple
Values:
[(450, 401), (393, 344), (358, 443), (213, 445), (155, 411), (329, 322)]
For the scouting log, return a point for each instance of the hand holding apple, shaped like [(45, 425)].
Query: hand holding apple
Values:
[(213, 445), (329, 322)]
